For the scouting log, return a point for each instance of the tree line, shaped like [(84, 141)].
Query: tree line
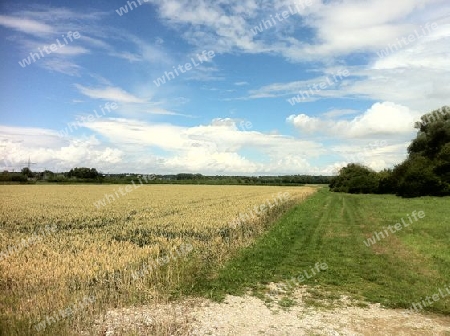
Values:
[(91, 175)]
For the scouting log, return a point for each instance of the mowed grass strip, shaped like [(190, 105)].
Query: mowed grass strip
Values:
[(402, 269)]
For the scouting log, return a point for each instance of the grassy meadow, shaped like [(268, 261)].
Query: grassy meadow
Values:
[(402, 269)]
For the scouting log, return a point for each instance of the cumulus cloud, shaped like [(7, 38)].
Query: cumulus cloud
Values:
[(48, 150), (377, 137), (382, 119), (218, 147)]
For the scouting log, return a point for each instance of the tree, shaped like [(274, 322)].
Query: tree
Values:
[(84, 173), (442, 168), (433, 135), (416, 177), (355, 179), (387, 183), (27, 172), (426, 171)]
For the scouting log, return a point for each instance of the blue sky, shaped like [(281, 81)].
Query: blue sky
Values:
[(289, 87)]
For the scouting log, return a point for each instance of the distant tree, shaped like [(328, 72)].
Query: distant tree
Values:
[(185, 176), (46, 175), (84, 173), (355, 179), (19, 178), (27, 172)]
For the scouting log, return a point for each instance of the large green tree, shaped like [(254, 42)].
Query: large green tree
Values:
[(426, 171)]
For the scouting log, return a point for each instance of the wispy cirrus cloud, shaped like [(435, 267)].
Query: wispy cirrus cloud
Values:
[(46, 13), (62, 66), (43, 25), (109, 93), (161, 111), (27, 26), (131, 57)]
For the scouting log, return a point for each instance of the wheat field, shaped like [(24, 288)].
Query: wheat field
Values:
[(57, 246)]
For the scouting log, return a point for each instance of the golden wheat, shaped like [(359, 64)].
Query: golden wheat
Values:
[(95, 250)]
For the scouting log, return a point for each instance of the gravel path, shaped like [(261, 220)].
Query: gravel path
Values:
[(249, 315)]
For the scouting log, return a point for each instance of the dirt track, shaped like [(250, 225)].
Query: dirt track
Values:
[(249, 315)]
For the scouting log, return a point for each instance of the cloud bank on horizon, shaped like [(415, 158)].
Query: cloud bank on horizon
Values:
[(236, 87)]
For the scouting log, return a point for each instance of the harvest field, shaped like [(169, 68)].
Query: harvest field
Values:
[(64, 260)]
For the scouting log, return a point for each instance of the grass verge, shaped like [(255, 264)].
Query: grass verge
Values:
[(404, 268)]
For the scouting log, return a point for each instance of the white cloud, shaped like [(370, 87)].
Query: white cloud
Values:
[(382, 119), (43, 13), (61, 66), (338, 28), (28, 26), (413, 76), (130, 57), (48, 151), (339, 113), (51, 152), (211, 148), (216, 148), (332, 83), (377, 154), (95, 42), (161, 111), (109, 93), (71, 50)]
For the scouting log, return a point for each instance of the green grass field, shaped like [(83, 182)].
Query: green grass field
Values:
[(397, 271)]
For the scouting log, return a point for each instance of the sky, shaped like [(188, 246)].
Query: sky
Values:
[(225, 87)]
